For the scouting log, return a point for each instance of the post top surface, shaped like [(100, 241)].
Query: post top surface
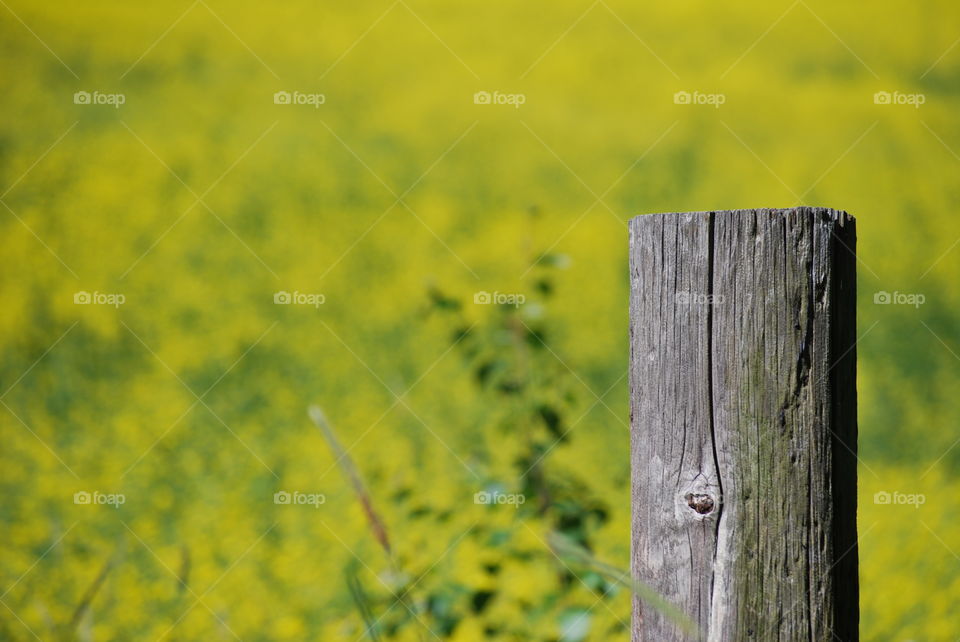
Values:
[(826, 213)]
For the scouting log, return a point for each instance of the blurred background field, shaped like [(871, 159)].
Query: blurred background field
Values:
[(399, 199)]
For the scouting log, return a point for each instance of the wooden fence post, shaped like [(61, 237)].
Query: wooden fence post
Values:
[(744, 423)]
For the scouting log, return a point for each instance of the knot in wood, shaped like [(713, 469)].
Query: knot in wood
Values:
[(700, 502)]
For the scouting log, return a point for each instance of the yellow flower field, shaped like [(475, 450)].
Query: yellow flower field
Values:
[(412, 214)]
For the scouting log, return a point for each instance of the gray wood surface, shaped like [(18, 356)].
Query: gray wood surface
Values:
[(743, 423)]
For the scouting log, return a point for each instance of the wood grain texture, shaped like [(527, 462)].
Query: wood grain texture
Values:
[(743, 423)]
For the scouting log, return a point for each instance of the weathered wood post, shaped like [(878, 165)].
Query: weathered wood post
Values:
[(744, 423)]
